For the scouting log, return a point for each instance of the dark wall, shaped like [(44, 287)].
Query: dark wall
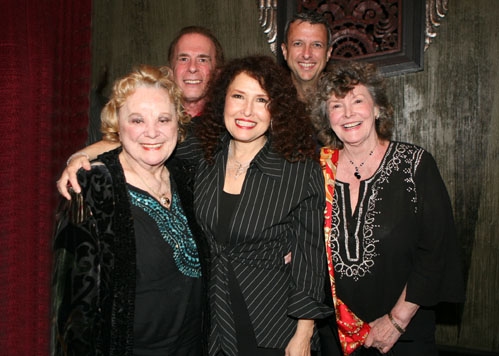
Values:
[(451, 109)]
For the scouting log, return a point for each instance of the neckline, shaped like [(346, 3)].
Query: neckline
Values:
[(378, 169)]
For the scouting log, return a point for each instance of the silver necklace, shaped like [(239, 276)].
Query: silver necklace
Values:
[(240, 168), (356, 173), (162, 197)]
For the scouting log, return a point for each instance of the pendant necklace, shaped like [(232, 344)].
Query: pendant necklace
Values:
[(357, 173), (163, 198), (241, 168)]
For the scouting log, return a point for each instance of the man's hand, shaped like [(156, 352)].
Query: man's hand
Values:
[(68, 176)]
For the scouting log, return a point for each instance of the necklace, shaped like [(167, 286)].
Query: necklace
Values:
[(162, 197), (240, 168), (357, 173)]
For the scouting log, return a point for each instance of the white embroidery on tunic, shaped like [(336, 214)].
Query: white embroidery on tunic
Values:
[(359, 248)]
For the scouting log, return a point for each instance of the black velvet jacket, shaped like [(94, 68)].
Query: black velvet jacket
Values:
[(94, 261)]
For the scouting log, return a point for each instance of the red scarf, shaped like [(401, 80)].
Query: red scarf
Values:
[(351, 330)]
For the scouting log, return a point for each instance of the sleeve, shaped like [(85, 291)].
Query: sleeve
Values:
[(308, 263), (437, 274), (190, 150), (74, 281)]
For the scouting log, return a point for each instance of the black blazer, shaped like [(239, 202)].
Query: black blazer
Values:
[(281, 209)]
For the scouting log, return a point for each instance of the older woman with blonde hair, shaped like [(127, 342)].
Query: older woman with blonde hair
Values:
[(127, 266)]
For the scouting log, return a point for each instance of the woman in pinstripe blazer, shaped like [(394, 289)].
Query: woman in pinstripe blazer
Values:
[(259, 194)]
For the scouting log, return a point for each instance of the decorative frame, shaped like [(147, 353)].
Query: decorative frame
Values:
[(419, 21)]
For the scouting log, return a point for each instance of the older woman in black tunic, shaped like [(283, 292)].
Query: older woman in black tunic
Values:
[(392, 232)]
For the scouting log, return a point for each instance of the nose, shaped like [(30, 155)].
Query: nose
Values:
[(348, 111), (248, 108), (307, 52), (193, 67), (151, 130)]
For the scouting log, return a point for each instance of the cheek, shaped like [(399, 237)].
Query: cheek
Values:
[(129, 133), (333, 118), (207, 72)]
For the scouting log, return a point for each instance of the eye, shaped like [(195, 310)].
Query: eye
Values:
[(297, 43), (183, 59), (262, 100), (318, 45), (136, 120), (237, 96), (204, 60), (164, 119)]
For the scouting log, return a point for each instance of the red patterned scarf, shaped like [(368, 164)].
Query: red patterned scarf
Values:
[(351, 330)]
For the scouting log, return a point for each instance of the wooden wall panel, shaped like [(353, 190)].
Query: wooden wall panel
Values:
[(452, 110)]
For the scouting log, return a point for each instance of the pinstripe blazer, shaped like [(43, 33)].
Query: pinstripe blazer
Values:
[(281, 208)]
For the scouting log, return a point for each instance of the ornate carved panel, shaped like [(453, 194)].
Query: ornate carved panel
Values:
[(360, 28)]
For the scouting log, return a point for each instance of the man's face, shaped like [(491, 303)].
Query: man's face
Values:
[(306, 51), (193, 63)]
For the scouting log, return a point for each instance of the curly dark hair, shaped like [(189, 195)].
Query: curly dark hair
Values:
[(290, 133), (339, 79)]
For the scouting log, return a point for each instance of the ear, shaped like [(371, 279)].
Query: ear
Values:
[(329, 51), (284, 50)]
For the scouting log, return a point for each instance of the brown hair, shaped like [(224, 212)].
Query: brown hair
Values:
[(339, 80), (290, 133), (148, 76), (313, 18)]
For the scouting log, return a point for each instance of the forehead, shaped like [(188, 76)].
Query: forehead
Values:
[(301, 30), (148, 95), (245, 82), (195, 44), (357, 90)]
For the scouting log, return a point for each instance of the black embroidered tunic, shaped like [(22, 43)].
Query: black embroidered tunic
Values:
[(401, 232)]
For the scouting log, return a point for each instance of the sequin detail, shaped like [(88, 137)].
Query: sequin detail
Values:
[(173, 227)]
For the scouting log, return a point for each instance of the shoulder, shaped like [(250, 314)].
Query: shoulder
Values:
[(423, 164), (412, 153), (98, 175)]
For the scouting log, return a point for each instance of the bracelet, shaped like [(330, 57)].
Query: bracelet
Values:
[(394, 323), (80, 153)]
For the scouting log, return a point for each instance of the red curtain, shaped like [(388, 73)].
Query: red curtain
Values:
[(44, 85)]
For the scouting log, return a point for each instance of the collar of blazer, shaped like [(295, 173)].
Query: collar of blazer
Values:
[(267, 161)]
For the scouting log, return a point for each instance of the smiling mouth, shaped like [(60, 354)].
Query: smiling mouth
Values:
[(151, 146), (192, 81), (244, 123), (353, 124), (307, 65)]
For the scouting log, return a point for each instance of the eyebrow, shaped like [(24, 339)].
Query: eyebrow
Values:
[(197, 56)]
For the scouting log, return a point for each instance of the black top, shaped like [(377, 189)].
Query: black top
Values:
[(401, 232), (168, 290)]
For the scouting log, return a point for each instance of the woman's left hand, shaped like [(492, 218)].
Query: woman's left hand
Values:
[(382, 335), (299, 345)]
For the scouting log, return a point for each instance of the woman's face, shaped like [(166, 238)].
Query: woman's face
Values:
[(352, 118), (148, 126), (246, 114)]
